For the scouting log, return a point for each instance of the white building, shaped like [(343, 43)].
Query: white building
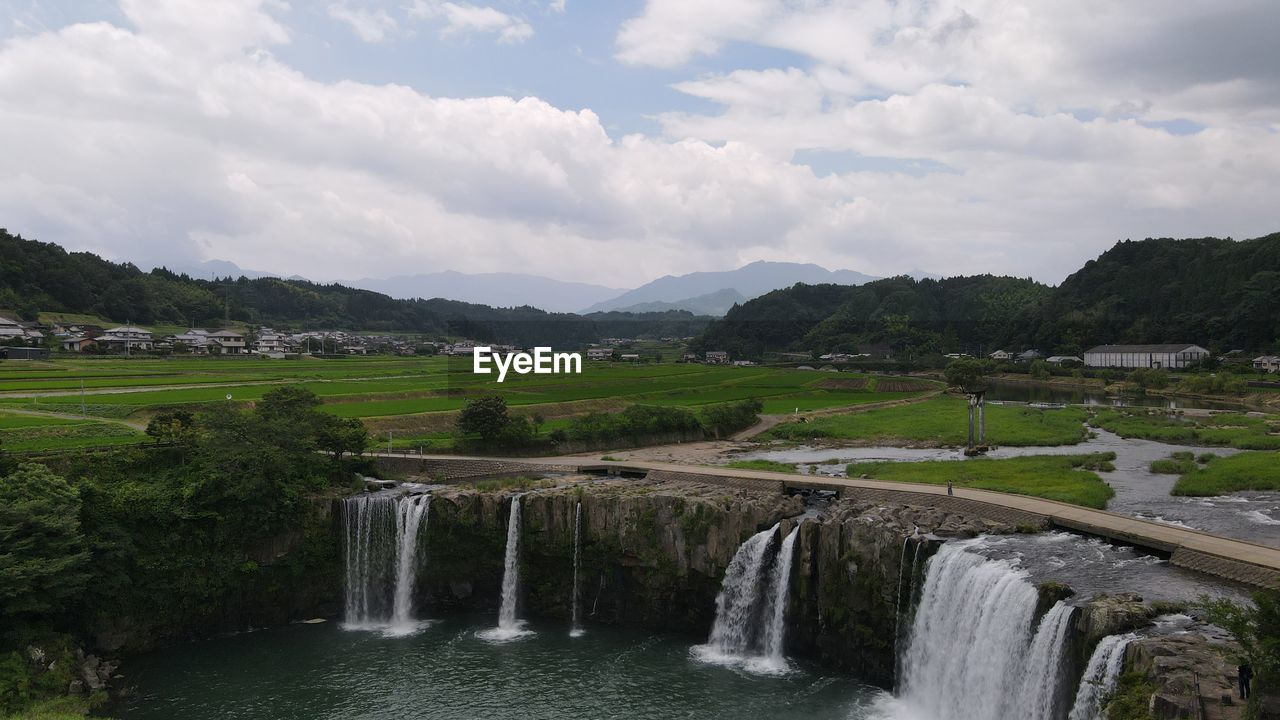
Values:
[(1267, 363), (269, 342), (1001, 355), (1170, 356), (599, 353), (717, 357), (228, 342), (128, 338)]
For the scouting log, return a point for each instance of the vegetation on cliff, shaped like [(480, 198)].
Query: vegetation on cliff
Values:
[(214, 529)]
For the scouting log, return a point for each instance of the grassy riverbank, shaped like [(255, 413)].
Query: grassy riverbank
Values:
[(1065, 478), (1238, 430), (944, 421), (770, 465), (1221, 475)]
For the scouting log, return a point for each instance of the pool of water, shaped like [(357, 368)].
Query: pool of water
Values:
[(322, 672)]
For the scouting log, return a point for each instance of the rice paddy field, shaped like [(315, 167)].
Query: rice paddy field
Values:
[(58, 404)]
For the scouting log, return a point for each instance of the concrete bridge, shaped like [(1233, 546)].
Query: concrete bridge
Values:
[(1236, 560)]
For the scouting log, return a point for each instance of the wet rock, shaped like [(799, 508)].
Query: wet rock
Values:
[(1191, 670)]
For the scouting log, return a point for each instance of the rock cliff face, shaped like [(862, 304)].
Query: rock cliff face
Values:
[(654, 554)]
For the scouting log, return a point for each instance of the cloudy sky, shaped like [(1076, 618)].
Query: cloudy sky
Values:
[(614, 141)]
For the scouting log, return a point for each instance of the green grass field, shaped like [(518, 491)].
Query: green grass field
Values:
[(770, 465), (1221, 475), (1066, 478), (943, 421), (1247, 432), (411, 394)]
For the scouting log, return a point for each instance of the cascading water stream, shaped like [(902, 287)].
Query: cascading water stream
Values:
[(509, 626), (382, 535), (971, 653), (749, 629), (775, 633), (1100, 677), (575, 629)]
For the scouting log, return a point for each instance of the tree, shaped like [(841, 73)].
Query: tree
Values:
[(339, 436), (1256, 629), (538, 421), (485, 416), (966, 373), (175, 427), (1039, 370), (42, 555)]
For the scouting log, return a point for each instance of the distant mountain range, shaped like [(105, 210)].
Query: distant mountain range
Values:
[(495, 289), (749, 281), (701, 293), (716, 304)]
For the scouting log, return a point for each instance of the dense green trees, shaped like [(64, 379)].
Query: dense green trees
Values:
[(42, 277), (1218, 293), (42, 549)]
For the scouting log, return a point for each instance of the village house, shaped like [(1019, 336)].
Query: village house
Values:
[(1267, 363), (127, 338), (78, 343), (717, 357), (193, 341), (1060, 359), (269, 341), (1029, 356), (11, 330), (1172, 356), (227, 342), (600, 353), (1001, 355)]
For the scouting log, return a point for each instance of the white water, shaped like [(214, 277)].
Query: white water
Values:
[(575, 629), (971, 653), (381, 538), (1044, 666), (509, 626), (1099, 677), (409, 517), (751, 607), (776, 633)]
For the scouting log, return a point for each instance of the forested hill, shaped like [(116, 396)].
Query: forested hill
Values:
[(898, 314), (43, 277), (1222, 294)]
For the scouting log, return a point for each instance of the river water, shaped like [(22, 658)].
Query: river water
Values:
[(321, 672), (1252, 516)]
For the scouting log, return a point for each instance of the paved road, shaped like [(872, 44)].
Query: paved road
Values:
[(1191, 548)]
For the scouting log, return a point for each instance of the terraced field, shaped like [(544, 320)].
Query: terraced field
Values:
[(410, 397)]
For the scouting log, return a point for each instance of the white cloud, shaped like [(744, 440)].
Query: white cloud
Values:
[(466, 19), (369, 24), (965, 137)]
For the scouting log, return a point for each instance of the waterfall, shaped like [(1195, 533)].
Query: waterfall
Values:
[(575, 630), (775, 633), (971, 653), (751, 607), (509, 626), (381, 538), (1044, 666), (411, 511), (1099, 678)]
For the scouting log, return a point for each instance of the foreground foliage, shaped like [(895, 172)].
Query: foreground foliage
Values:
[(150, 543)]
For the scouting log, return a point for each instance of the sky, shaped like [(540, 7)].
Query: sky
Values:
[(615, 141)]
